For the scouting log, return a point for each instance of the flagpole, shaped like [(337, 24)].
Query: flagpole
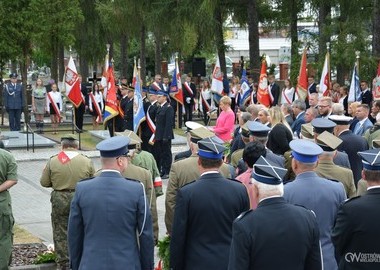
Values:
[(357, 53), (138, 75), (177, 105), (329, 87), (73, 108)]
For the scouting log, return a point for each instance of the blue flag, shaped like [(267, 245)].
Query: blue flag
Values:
[(244, 86), (138, 110), (354, 93)]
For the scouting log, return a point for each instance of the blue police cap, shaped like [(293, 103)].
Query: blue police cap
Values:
[(258, 129), (145, 89), (268, 173), (210, 149), (322, 124), (161, 93), (340, 119), (152, 91), (13, 75), (305, 151), (371, 159), (113, 147)]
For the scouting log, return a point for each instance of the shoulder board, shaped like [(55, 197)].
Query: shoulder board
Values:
[(82, 180), (188, 183), (133, 180), (233, 179), (351, 199), (244, 214), (332, 180)]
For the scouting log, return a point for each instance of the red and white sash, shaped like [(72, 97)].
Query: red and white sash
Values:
[(286, 97), (206, 107), (151, 126), (55, 107), (188, 88), (97, 108), (156, 86)]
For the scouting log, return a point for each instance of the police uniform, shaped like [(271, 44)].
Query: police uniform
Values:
[(183, 172), (318, 194), (326, 167), (356, 231), (8, 172), (62, 172), (276, 235), (204, 212), (13, 101), (110, 225)]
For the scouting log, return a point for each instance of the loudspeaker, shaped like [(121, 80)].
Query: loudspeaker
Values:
[(199, 67)]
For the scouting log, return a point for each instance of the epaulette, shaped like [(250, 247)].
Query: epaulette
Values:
[(333, 180), (351, 199), (233, 179), (244, 214), (131, 179), (86, 179), (188, 183)]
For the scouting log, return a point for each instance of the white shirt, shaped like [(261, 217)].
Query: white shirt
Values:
[(57, 98)]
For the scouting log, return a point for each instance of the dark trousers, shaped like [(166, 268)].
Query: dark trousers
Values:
[(188, 112), (14, 119), (79, 112), (178, 112), (164, 153)]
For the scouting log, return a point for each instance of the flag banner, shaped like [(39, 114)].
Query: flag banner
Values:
[(217, 79), (134, 74), (324, 84), (176, 91), (301, 89), (263, 93), (354, 92), (104, 80), (138, 109), (244, 87), (376, 84), (72, 84), (111, 108)]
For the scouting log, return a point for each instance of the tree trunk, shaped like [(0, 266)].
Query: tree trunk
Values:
[(294, 40), (219, 36), (254, 47), (157, 56), (376, 30), (123, 55), (143, 54), (61, 62), (24, 72), (323, 23), (54, 58)]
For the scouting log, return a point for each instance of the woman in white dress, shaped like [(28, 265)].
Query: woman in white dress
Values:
[(287, 93)]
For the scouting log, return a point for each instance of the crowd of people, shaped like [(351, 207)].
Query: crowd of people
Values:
[(265, 188)]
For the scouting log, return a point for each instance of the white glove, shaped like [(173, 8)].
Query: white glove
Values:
[(188, 99)]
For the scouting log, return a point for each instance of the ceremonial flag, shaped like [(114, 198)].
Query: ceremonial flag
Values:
[(104, 80), (176, 84), (301, 89), (111, 107), (376, 84), (217, 79), (138, 109), (354, 92), (245, 89), (324, 84), (134, 74), (263, 93), (72, 84)]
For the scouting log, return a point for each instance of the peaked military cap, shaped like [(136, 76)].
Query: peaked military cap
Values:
[(305, 151), (199, 134), (340, 119), (245, 131), (210, 149), (113, 147), (258, 129), (69, 136), (267, 173), (13, 75), (328, 141), (193, 125), (134, 139), (307, 131), (376, 143), (371, 159), (162, 93), (322, 124)]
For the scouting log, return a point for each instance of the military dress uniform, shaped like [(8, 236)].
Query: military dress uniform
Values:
[(13, 101), (8, 171), (62, 172)]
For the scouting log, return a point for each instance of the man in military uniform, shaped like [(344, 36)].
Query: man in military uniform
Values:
[(126, 104), (238, 154), (326, 167), (13, 102), (318, 194), (110, 225), (356, 231), (185, 171), (258, 235), (62, 172), (8, 178), (143, 175), (204, 212)]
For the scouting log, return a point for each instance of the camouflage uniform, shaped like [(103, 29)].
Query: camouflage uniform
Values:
[(8, 171), (62, 175)]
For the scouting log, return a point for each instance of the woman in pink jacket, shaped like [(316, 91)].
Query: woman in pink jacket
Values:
[(225, 123)]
